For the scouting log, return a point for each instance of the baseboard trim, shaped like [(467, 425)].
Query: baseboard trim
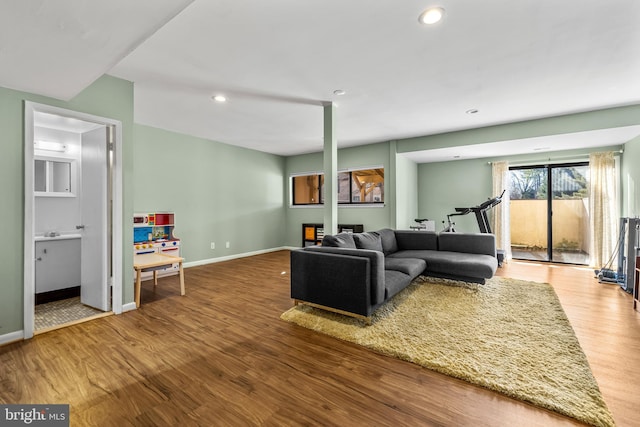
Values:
[(130, 306), (11, 337), (235, 256)]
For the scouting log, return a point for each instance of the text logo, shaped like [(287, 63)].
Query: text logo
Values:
[(34, 415)]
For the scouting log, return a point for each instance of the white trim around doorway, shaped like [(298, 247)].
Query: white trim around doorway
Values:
[(117, 217)]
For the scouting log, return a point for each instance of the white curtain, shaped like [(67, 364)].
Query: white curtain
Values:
[(603, 207), (500, 218)]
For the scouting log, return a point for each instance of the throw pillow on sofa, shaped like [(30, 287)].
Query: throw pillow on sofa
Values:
[(389, 243), (340, 240), (371, 241)]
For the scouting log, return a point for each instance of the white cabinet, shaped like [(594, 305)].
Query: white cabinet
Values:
[(57, 264), (54, 177)]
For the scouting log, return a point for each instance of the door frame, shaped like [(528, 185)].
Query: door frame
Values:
[(29, 200), (548, 167)]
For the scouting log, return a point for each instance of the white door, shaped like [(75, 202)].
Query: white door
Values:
[(94, 290)]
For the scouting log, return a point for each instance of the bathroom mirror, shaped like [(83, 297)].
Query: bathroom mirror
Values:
[(54, 177)]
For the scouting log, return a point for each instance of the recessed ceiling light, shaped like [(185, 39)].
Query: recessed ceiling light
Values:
[(219, 98), (339, 92), (431, 15), (472, 111)]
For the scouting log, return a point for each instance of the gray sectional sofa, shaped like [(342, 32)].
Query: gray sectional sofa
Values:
[(355, 273)]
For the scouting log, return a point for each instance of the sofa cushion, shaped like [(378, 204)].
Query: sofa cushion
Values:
[(409, 240), (394, 282), (471, 243), (341, 240), (411, 266), (371, 241), (389, 244), (462, 264), (424, 254)]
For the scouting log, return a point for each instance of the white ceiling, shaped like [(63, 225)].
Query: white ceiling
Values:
[(67, 124), (58, 48), (278, 62)]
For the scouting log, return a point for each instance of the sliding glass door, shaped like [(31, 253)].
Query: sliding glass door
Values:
[(570, 213), (529, 213), (550, 225)]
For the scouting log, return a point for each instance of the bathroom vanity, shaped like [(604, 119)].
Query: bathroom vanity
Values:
[(57, 272)]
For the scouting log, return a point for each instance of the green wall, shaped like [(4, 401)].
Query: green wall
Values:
[(296, 216), (406, 193), (376, 217), (441, 187), (444, 186), (223, 193), (631, 179), (107, 97), (447, 185), (219, 193)]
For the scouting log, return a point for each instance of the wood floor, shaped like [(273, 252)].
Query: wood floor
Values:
[(220, 356)]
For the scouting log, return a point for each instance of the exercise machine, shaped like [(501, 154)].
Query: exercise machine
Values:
[(483, 220), (451, 226), (481, 214), (626, 250), (424, 224)]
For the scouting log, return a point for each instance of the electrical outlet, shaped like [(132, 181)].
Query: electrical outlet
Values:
[(227, 245), (213, 245)]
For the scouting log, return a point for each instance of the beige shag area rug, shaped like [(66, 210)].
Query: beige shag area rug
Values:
[(508, 335)]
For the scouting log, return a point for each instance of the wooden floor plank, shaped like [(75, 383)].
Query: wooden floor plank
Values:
[(220, 355)]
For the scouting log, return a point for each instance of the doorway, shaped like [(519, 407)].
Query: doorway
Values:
[(73, 213), (549, 213)]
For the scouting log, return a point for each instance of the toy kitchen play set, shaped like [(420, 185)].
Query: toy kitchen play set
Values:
[(153, 233)]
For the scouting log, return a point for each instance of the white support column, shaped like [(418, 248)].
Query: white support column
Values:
[(390, 182), (330, 170)]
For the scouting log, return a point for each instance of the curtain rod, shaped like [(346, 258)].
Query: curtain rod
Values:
[(579, 157)]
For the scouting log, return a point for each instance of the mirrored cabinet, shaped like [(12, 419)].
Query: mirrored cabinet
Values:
[(54, 177)]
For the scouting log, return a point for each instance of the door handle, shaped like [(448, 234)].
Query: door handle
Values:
[(79, 227), (39, 258)]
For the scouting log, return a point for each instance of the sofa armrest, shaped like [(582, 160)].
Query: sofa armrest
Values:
[(332, 280), (471, 243), (376, 263)]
